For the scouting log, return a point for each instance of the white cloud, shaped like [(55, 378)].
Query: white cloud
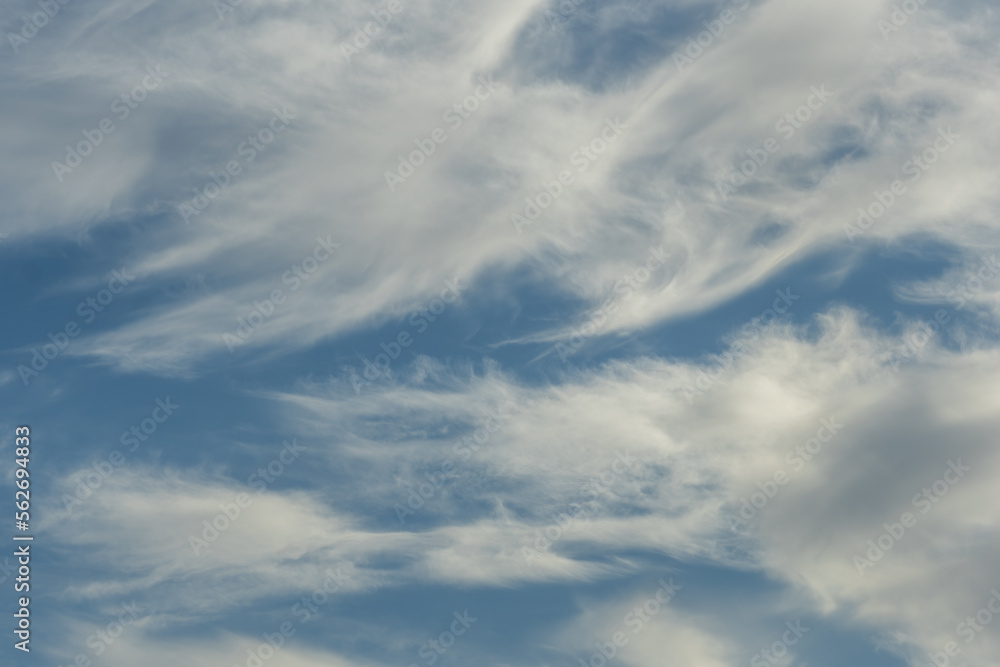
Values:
[(895, 434), (325, 175)]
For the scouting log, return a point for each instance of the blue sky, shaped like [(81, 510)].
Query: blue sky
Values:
[(512, 334)]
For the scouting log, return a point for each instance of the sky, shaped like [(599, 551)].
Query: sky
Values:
[(514, 334)]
